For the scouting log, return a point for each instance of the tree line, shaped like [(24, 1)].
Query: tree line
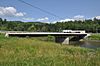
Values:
[(92, 26)]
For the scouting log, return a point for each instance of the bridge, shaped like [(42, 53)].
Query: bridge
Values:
[(60, 37)]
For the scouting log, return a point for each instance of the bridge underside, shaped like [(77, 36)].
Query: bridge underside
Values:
[(38, 35), (67, 39)]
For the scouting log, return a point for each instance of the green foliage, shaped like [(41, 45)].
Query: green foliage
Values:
[(92, 26), (16, 51), (50, 38), (32, 28), (94, 37)]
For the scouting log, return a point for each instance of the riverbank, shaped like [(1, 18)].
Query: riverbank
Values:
[(16, 51)]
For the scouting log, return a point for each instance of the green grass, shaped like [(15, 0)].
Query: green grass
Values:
[(16, 51), (94, 37)]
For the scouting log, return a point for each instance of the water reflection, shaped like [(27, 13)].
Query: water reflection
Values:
[(86, 44)]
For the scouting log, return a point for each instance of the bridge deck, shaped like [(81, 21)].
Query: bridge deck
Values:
[(45, 34)]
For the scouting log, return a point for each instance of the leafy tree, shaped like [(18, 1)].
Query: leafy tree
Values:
[(32, 28)]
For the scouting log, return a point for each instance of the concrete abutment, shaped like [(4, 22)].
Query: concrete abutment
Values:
[(62, 39)]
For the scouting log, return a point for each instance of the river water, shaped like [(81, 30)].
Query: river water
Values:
[(87, 44)]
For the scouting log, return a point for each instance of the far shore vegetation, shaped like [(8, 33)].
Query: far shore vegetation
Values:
[(95, 36), (90, 26)]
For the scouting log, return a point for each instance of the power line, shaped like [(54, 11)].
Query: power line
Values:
[(40, 9)]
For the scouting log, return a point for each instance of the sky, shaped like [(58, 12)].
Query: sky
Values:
[(65, 10)]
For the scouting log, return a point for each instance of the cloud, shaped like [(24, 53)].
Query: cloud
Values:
[(28, 19), (42, 19), (79, 17), (20, 14), (66, 20), (45, 19), (97, 17), (10, 11)]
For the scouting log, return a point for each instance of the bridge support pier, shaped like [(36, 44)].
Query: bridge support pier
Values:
[(6, 35), (62, 39), (66, 41)]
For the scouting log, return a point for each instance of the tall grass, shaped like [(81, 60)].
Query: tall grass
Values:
[(16, 51)]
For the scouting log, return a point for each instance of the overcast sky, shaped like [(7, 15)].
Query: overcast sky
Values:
[(65, 9)]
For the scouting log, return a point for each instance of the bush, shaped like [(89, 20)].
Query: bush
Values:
[(50, 38)]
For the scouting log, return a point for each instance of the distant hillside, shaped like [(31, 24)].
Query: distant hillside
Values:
[(87, 25)]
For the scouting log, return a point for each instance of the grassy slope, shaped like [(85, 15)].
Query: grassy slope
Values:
[(33, 52), (94, 37)]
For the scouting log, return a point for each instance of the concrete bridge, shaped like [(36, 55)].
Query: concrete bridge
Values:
[(60, 37)]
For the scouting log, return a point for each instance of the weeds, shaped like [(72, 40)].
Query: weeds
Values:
[(16, 51)]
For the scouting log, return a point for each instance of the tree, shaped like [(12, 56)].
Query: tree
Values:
[(44, 29), (1, 20), (32, 28)]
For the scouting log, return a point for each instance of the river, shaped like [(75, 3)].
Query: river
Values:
[(87, 44)]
